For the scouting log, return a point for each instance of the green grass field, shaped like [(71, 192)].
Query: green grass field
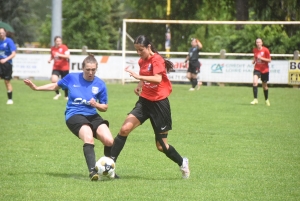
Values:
[(236, 151)]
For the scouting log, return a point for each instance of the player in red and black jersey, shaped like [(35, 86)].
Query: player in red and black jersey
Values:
[(261, 62), (153, 90), (60, 54)]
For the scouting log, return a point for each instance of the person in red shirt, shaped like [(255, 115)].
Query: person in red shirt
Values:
[(261, 62), (60, 54), (153, 90)]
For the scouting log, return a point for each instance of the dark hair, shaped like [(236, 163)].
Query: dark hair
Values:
[(56, 37), (89, 59), (144, 41)]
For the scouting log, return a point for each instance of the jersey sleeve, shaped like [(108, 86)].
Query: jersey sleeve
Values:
[(102, 95), (158, 64), (66, 50), (12, 46), (64, 82)]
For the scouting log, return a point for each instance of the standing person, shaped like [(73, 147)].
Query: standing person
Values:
[(194, 64), (87, 94), (153, 90), (7, 52), (60, 54), (261, 70)]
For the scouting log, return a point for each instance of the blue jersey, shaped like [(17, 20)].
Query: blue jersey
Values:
[(7, 46), (81, 92)]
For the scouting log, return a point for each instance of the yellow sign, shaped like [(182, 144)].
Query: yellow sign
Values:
[(294, 72)]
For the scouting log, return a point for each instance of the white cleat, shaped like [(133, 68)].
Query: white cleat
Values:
[(255, 101), (192, 89), (184, 168), (10, 102), (56, 96)]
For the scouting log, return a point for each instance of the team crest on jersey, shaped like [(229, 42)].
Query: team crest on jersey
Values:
[(149, 67), (95, 90), (60, 49), (262, 53), (4, 44)]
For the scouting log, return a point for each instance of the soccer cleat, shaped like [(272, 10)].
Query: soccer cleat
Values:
[(116, 176), (56, 96), (94, 174), (268, 102), (255, 101), (10, 102), (184, 168), (66, 98), (192, 89)]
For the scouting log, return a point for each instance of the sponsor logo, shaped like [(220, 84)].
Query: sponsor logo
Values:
[(217, 68), (81, 101)]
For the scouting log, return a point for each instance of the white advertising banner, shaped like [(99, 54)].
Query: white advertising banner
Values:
[(110, 67)]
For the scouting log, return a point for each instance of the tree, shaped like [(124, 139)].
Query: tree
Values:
[(91, 23), (21, 17)]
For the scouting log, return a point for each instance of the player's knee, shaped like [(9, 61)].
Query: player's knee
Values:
[(159, 147), (125, 130)]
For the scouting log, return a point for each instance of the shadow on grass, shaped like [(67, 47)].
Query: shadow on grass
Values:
[(67, 175), (83, 177)]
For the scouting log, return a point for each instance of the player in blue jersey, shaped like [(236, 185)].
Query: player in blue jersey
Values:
[(87, 94), (7, 52)]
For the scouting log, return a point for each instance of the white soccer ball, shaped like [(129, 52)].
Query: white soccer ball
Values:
[(106, 168)]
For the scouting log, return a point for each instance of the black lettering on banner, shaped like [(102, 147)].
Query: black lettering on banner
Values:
[(76, 65), (292, 65)]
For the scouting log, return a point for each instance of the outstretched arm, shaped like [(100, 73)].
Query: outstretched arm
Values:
[(46, 87)]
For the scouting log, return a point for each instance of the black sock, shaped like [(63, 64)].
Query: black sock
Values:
[(117, 147), (194, 82), (57, 91), (66, 93), (107, 151), (255, 91), (266, 93), (174, 155), (9, 94), (89, 154)]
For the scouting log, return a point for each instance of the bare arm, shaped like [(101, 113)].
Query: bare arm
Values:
[(12, 55), (46, 87), (98, 106), (154, 78), (199, 44)]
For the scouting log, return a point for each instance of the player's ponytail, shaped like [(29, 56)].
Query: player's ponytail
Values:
[(144, 41), (89, 59)]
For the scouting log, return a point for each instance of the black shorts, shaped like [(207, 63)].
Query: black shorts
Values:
[(159, 113), (76, 121), (194, 67), (6, 71), (263, 76), (60, 73)]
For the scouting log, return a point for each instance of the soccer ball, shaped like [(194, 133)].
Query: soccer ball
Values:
[(106, 168)]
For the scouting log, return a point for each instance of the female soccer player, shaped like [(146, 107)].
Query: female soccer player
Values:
[(7, 52), (194, 64), (261, 70), (60, 53), (87, 94), (153, 90)]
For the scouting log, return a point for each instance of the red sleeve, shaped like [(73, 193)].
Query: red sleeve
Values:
[(267, 52), (158, 64)]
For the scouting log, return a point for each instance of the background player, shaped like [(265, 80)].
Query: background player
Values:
[(261, 70)]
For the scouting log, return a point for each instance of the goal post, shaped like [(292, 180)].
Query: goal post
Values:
[(155, 21)]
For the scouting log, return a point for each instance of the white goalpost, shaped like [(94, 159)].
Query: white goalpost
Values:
[(154, 21)]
